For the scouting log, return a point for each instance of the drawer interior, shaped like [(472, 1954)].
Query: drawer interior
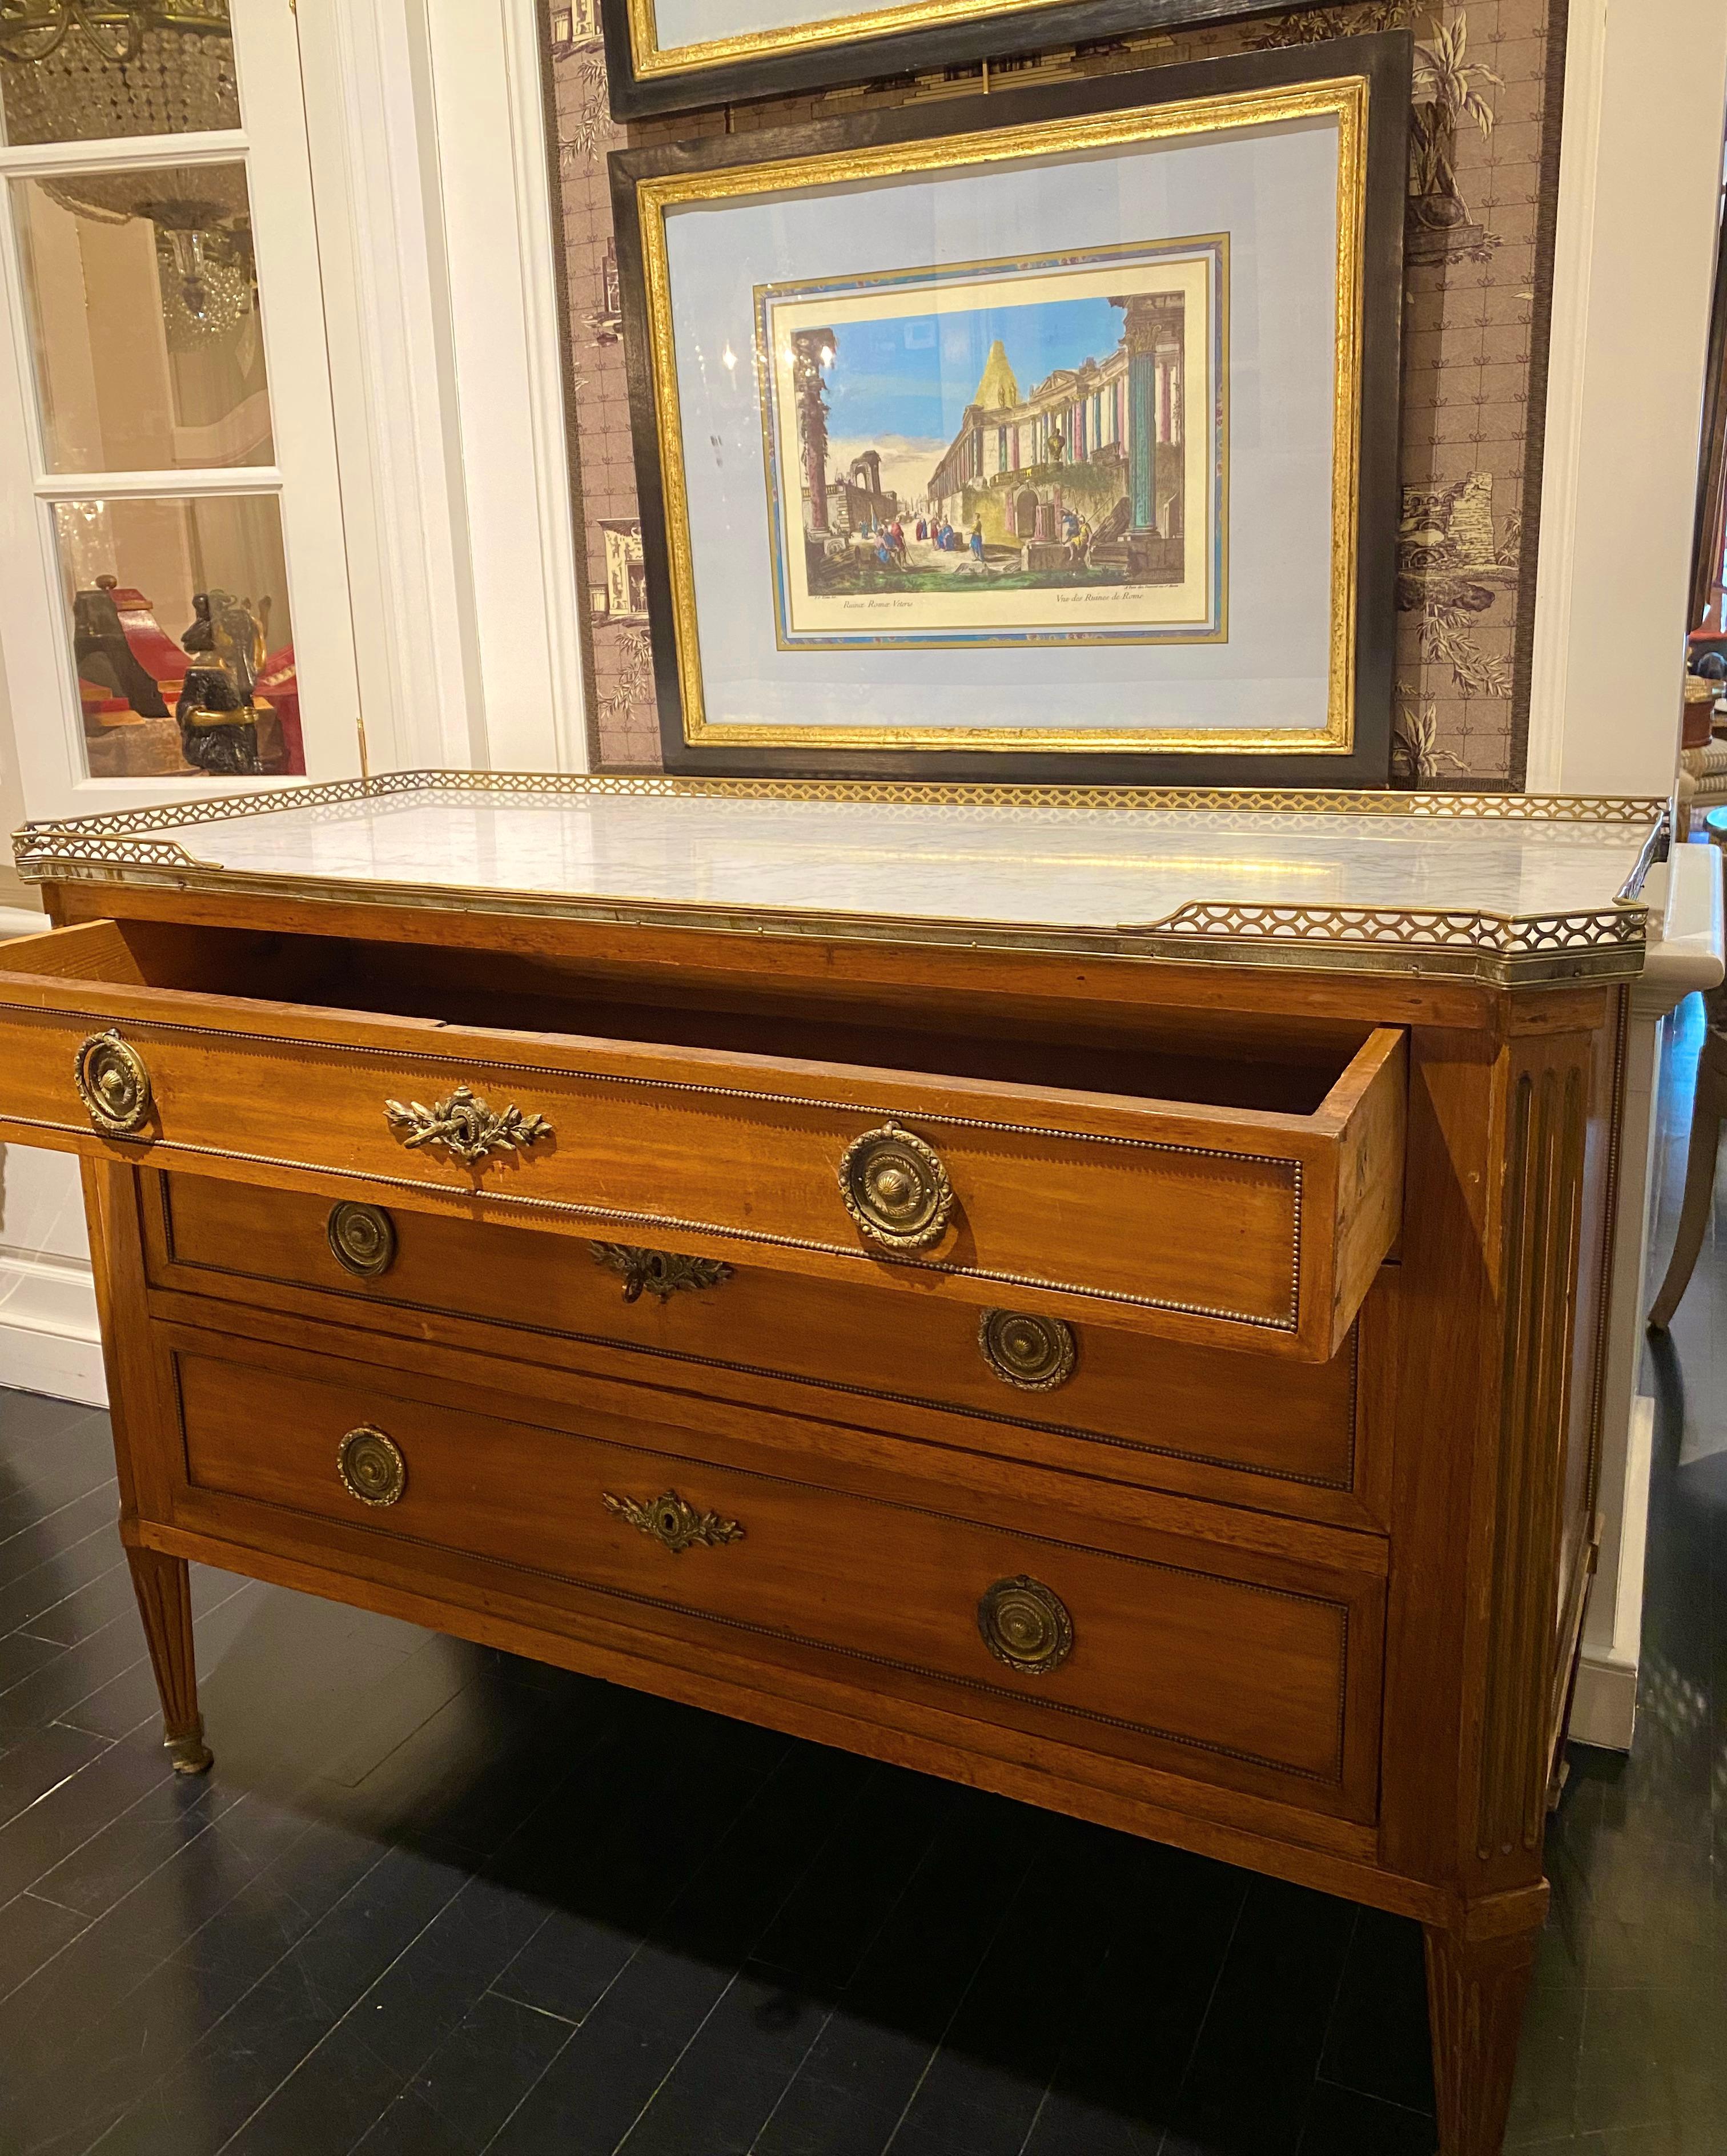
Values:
[(1230, 1060)]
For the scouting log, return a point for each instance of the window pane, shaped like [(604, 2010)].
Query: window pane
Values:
[(180, 635), (88, 70), (144, 318)]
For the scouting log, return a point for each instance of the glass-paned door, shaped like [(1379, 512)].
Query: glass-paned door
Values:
[(174, 605)]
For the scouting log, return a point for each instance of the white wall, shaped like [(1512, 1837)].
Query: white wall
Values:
[(1646, 89), (427, 131), (48, 1341), (49, 1338), (1640, 188)]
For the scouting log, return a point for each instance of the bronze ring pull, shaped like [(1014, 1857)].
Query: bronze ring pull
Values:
[(371, 1467), (896, 1189), (1037, 1354), (113, 1082), (1026, 1626), (673, 1524), (363, 1238)]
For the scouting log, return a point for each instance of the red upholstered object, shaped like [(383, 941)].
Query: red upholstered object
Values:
[(96, 700), (155, 651)]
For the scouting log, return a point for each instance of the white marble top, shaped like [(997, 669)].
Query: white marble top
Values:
[(1054, 871)]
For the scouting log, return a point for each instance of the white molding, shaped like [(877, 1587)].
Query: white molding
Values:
[(536, 229), (1646, 87), (429, 161), (34, 628), (123, 153), (50, 1336), (370, 130), (1685, 955), (230, 479), (1604, 1707), (1568, 350), (495, 214), (49, 1339)]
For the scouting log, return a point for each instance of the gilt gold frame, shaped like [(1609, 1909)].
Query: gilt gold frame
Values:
[(652, 60), (1236, 96), (651, 73)]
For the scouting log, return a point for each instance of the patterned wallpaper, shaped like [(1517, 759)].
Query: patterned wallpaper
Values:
[(1483, 180)]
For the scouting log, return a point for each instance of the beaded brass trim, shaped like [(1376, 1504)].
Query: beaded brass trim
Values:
[(551, 785), (571, 1210), (1504, 949)]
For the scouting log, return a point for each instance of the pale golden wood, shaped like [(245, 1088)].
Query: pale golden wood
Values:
[(1295, 1438), (1195, 1221), (1186, 1657), (1440, 1499)]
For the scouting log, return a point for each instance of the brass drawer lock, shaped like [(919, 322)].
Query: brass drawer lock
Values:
[(1026, 1626), (672, 1523), (371, 1467), (113, 1082), (663, 1273), (896, 1189), (363, 1238), (466, 1127), (1037, 1354)]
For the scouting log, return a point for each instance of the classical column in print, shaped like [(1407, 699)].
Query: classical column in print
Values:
[(812, 349), (1152, 333)]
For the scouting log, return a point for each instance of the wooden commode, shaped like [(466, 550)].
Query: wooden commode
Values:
[(1096, 1296)]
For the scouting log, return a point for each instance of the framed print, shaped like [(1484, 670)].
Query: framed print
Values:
[(675, 55), (1059, 441)]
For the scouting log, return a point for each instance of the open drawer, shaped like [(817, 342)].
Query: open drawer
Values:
[(1238, 1199)]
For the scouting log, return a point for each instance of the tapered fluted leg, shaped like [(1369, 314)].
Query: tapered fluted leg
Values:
[(1476, 1991), (162, 1585)]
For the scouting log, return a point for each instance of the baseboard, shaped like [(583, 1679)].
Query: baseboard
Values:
[(49, 1340), (1604, 1711)]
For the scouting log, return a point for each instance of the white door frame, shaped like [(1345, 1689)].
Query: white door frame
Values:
[(1640, 182), (34, 637), (429, 162)]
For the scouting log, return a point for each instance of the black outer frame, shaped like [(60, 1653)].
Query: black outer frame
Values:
[(1386, 61), (907, 52)]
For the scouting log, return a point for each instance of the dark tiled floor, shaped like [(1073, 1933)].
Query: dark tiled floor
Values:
[(434, 1902)]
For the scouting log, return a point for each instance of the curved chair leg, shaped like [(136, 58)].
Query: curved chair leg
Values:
[(1707, 1117)]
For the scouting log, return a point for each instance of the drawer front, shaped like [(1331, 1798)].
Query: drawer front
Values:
[(1195, 1664), (1222, 1226), (1294, 1438)]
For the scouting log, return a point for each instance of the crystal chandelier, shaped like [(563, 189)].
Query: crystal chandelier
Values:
[(84, 70), (31, 30)]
